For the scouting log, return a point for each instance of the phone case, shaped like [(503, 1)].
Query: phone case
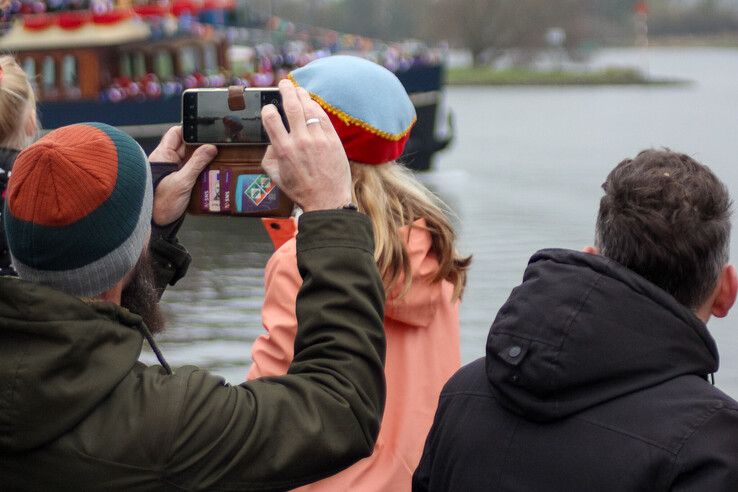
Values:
[(235, 184)]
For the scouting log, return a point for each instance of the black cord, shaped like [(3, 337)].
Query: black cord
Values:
[(712, 378), (150, 338)]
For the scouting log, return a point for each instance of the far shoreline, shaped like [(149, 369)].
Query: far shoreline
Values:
[(485, 76), (721, 41)]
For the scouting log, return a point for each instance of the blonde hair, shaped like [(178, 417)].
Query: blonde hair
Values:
[(17, 103), (391, 196)]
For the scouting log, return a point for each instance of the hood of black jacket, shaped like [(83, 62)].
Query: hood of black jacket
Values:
[(582, 329), (59, 357), (7, 158)]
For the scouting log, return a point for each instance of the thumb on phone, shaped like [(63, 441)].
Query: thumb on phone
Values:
[(173, 193), (201, 157)]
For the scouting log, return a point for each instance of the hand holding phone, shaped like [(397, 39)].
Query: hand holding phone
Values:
[(209, 116), (307, 161), (234, 183), (173, 192)]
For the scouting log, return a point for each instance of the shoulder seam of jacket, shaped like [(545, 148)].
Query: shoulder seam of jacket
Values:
[(720, 405), (709, 416), (625, 433)]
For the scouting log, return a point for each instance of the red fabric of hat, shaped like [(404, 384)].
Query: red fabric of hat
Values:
[(365, 147), (366, 103)]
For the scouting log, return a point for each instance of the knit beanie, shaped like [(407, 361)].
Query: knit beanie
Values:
[(78, 208), (366, 103)]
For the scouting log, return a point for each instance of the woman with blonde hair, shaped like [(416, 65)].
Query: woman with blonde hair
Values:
[(415, 251), (17, 131)]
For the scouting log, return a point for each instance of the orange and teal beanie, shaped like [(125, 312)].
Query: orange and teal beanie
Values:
[(78, 208), (366, 103)]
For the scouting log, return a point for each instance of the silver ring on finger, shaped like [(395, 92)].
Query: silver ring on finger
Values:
[(312, 121)]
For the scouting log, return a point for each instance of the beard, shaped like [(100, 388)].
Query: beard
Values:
[(141, 297)]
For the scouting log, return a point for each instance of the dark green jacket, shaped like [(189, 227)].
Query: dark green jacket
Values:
[(79, 412)]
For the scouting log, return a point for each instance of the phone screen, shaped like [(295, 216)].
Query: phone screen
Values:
[(206, 117)]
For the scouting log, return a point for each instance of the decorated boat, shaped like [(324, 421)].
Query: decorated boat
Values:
[(127, 64)]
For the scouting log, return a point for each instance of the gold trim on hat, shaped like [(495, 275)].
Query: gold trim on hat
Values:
[(351, 120)]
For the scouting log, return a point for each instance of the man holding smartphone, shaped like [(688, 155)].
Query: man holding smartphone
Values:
[(79, 412)]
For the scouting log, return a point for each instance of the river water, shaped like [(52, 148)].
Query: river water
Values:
[(523, 174)]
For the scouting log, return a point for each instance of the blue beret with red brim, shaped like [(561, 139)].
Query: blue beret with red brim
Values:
[(366, 103)]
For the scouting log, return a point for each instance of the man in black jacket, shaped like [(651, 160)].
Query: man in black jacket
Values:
[(596, 370)]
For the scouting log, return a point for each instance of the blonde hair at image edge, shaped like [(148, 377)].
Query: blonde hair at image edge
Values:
[(391, 196), (17, 105)]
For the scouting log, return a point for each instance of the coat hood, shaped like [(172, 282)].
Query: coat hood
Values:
[(7, 158), (416, 307), (59, 357), (582, 329)]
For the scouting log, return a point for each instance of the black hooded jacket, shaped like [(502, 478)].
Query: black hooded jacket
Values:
[(7, 157), (594, 379)]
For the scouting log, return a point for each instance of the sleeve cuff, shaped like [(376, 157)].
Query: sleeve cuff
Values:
[(335, 228)]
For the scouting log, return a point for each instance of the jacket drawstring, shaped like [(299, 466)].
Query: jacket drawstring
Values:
[(150, 338)]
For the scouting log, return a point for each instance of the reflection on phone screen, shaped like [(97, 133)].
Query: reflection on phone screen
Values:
[(216, 123)]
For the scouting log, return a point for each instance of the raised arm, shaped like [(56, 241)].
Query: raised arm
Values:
[(280, 432), (277, 433), (173, 181)]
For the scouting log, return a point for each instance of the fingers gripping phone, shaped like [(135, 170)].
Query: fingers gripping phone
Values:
[(222, 116), (234, 183)]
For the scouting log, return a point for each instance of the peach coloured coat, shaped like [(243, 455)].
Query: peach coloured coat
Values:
[(422, 330)]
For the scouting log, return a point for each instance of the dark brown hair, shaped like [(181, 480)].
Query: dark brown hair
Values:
[(667, 217)]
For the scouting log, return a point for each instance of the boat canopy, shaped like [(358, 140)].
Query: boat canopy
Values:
[(90, 34)]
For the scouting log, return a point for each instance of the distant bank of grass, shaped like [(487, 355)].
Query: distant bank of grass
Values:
[(728, 40), (609, 76)]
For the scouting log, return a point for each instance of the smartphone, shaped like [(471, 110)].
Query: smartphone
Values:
[(207, 118)]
